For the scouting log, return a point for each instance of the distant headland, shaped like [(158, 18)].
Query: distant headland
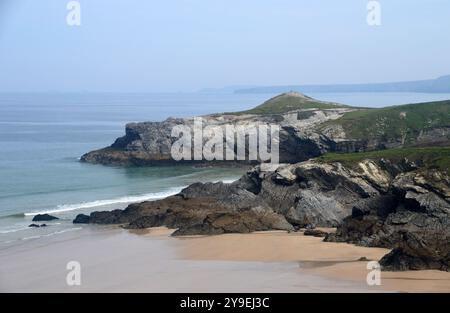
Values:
[(438, 85)]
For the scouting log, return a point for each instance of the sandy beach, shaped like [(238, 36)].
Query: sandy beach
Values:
[(332, 260), (116, 260)]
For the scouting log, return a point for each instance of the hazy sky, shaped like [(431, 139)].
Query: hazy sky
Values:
[(185, 45)]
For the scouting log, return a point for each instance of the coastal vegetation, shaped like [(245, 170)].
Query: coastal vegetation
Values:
[(402, 121), (430, 157)]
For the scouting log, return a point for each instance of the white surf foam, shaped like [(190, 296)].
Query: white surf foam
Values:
[(100, 203), (54, 233), (13, 230), (228, 181)]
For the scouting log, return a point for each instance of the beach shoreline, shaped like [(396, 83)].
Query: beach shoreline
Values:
[(118, 260)]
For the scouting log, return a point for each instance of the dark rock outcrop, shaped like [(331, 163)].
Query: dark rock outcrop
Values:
[(37, 225), (374, 203), (193, 216), (81, 219), (44, 217), (419, 251), (413, 218), (305, 195)]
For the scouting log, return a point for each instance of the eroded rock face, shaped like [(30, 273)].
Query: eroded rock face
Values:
[(307, 194), (419, 250), (313, 193), (149, 143), (413, 218)]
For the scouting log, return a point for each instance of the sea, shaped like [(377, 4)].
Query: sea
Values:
[(43, 135)]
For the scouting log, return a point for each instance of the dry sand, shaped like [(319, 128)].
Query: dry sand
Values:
[(331, 260)]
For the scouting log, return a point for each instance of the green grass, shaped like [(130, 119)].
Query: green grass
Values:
[(289, 102), (401, 124), (397, 122), (432, 157)]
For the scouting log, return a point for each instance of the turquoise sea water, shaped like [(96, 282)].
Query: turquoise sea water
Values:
[(42, 137)]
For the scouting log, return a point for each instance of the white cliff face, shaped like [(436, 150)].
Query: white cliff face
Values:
[(150, 141)]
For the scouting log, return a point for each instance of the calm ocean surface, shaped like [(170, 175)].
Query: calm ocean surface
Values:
[(42, 137)]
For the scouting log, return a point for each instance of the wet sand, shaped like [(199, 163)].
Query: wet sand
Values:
[(115, 260)]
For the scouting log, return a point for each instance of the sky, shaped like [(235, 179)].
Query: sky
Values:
[(187, 45)]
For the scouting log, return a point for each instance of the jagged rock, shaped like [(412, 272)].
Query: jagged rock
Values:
[(236, 222), (321, 195), (308, 194), (426, 248), (193, 215), (43, 217), (414, 219)]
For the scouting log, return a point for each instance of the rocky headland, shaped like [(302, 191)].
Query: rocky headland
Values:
[(394, 193), (308, 128)]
